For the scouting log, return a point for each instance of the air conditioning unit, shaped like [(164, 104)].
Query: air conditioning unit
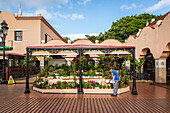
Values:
[(43, 41)]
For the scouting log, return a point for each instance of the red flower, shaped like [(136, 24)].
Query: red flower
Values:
[(42, 73), (52, 73), (38, 80)]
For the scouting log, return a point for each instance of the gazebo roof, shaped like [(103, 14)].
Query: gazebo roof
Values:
[(78, 47)]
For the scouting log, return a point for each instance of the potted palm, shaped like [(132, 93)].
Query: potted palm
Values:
[(102, 57), (111, 57)]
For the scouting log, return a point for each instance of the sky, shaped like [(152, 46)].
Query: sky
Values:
[(76, 18)]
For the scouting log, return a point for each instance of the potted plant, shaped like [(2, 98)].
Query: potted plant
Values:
[(100, 86), (96, 67), (108, 86), (104, 87), (121, 84), (111, 57), (102, 57), (82, 58), (128, 57)]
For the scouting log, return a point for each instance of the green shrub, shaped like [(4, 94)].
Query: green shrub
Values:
[(51, 69)]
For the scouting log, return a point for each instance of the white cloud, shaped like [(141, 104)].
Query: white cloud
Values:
[(43, 12), (76, 16), (79, 36), (83, 2), (126, 7), (161, 4), (54, 15)]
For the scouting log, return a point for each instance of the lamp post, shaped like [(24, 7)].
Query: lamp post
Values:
[(3, 33), (134, 90)]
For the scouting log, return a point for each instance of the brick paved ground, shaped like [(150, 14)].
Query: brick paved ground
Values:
[(151, 98)]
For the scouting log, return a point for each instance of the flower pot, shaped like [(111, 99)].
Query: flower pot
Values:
[(100, 88), (128, 59)]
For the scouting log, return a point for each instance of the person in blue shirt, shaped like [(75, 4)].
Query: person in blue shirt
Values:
[(115, 79)]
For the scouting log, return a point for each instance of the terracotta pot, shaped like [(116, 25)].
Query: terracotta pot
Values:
[(100, 88)]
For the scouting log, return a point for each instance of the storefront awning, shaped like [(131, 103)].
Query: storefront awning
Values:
[(7, 48)]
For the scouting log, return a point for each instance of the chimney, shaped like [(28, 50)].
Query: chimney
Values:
[(16, 14), (69, 41), (152, 20), (147, 23), (96, 41), (39, 14), (20, 12)]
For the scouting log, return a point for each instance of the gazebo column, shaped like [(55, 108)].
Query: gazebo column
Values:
[(44, 61), (27, 74), (8, 68), (80, 90), (160, 70), (134, 90)]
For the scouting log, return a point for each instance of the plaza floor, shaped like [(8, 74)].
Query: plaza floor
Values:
[(150, 98)]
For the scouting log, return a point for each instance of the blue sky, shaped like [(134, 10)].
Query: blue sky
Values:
[(75, 18)]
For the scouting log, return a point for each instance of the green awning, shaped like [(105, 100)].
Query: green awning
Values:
[(7, 48)]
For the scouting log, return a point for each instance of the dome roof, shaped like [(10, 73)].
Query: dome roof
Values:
[(112, 42), (54, 42), (83, 42)]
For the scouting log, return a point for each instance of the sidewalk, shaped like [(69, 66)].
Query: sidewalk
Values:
[(150, 98), (23, 80)]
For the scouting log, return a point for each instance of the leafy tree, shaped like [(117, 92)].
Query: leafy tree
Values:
[(122, 28), (66, 39)]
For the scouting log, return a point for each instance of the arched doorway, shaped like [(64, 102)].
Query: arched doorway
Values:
[(168, 70), (149, 66)]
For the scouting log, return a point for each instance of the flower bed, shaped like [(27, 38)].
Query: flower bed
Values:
[(72, 86), (86, 91)]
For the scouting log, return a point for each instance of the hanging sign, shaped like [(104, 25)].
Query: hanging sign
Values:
[(11, 80)]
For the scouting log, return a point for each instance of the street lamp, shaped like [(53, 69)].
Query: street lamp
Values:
[(3, 33)]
